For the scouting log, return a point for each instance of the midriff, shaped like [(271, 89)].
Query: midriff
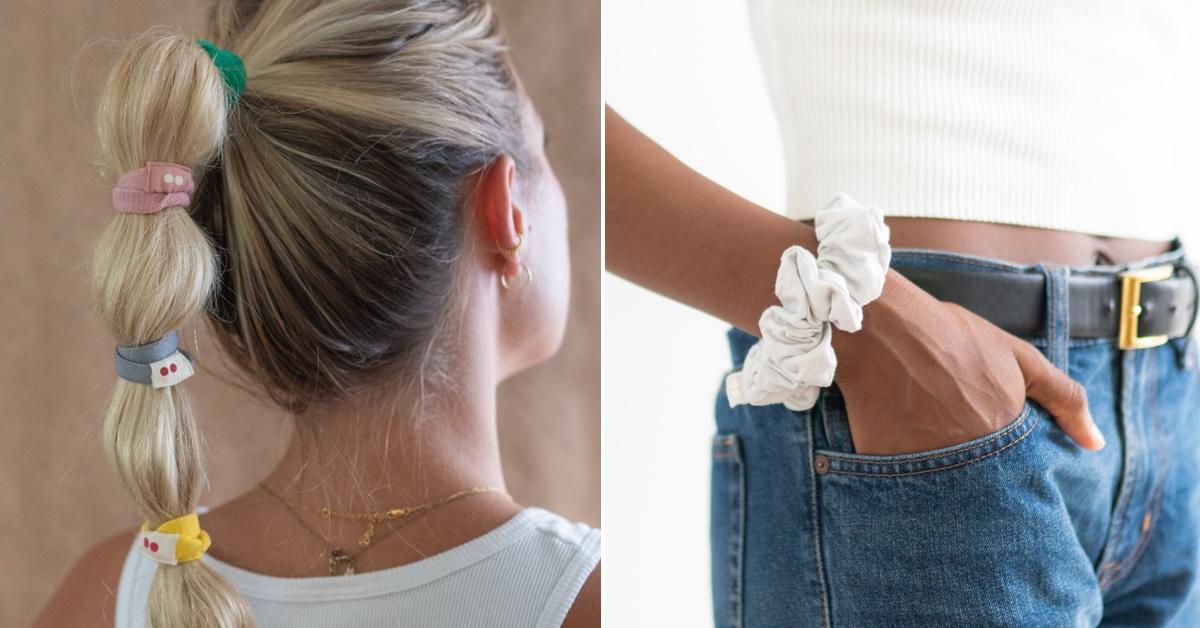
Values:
[(1020, 245)]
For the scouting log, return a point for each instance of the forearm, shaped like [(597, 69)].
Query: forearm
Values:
[(675, 232)]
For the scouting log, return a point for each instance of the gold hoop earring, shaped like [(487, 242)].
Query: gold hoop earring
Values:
[(511, 252), (527, 271)]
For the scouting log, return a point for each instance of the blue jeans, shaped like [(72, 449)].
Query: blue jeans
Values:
[(1020, 527)]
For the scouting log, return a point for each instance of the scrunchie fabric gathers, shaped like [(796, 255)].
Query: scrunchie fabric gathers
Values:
[(794, 359)]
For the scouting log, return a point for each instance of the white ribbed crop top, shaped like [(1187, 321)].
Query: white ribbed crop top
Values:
[(526, 572), (1072, 114)]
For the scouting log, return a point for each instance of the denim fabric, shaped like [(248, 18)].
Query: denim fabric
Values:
[(1020, 527)]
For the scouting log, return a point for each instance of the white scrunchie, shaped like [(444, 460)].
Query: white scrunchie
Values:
[(795, 357)]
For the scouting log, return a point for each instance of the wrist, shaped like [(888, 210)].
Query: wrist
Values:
[(900, 301)]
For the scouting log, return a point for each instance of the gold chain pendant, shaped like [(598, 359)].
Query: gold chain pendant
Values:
[(339, 559), (341, 562)]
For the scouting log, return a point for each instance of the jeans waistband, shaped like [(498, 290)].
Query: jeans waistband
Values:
[(932, 259)]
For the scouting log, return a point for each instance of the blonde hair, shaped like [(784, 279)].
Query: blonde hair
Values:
[(323, 236)]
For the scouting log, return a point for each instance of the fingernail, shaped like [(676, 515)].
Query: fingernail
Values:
[(1095, 431)]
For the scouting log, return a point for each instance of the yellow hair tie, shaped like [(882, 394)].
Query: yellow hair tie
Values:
[(177, 541)]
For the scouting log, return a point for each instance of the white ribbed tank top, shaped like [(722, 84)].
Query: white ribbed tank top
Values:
[(526, 572), (1072, 114)]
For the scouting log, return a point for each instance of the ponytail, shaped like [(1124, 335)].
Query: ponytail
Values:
[(164, 102)]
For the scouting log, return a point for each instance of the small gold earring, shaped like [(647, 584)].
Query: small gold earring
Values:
[(511, 252), (526, 270)]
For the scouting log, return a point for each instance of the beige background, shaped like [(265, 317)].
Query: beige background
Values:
[(57, 496)]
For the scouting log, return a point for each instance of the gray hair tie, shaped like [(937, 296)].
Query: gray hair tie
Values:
[(159, 364)]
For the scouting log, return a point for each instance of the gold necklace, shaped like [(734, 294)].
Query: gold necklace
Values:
[(343, 560)]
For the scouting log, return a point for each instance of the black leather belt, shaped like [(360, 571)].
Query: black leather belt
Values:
[(1141, 308)]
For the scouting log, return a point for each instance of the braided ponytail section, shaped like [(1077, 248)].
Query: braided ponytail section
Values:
[(164, 102)]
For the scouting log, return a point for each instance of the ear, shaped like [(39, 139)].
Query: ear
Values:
[(496, 209)]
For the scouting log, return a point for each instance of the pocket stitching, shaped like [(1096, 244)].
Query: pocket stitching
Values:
[(727, 451), (1015, 425), (1012, 426)]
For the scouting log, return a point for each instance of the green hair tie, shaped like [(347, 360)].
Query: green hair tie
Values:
[(233, 71)]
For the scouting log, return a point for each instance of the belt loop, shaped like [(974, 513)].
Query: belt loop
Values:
[(1058, 313), (1185, 350)]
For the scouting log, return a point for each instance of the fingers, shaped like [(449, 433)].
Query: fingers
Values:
[(1062, 396)]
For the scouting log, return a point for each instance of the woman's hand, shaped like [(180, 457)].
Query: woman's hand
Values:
[(924, 374)]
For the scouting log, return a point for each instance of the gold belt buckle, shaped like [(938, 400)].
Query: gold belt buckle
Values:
[(1131, 306)]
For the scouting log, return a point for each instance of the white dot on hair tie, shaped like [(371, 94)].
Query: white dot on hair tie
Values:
[(167, 177), (178, 179)]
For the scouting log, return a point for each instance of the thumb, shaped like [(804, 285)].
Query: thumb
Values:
[(1062, 396)]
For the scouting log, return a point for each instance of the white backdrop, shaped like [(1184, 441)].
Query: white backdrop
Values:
[(686, 73)]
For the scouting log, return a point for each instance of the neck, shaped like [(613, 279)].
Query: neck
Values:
[(392, 449)]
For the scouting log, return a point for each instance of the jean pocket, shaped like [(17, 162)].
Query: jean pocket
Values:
[(838, 455), (979, 533), (727, 536)]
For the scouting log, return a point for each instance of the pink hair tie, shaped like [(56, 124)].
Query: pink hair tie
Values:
[(153, 188)]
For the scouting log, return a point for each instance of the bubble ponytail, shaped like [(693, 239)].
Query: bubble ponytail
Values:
[(164, 101)]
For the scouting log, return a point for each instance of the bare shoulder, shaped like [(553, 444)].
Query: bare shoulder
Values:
[(87, 595), (585, 612)]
